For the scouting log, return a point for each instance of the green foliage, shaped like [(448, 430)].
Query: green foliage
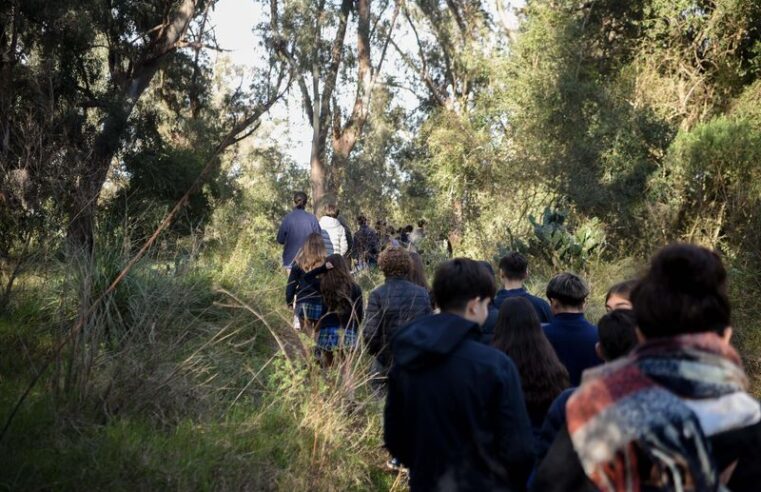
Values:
[(710, 181)]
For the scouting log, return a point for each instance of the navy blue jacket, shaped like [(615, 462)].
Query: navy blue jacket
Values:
[(455, 414), (541, 306), (574, 339), (293, 232), (487, 330)]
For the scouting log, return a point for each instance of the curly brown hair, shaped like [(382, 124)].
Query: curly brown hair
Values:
[(395, 262)]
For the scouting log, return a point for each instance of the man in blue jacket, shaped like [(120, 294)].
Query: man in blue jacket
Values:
[(571, 335), (455, 414), (513, 271), (295, 228)]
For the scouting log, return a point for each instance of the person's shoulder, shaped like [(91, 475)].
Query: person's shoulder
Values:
[(539, 300), (482, 353)]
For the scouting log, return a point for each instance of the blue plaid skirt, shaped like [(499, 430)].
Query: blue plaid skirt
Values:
[(333, 337), (309, 310)]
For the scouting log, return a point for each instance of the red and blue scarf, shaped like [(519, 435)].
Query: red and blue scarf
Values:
[(645, 420)]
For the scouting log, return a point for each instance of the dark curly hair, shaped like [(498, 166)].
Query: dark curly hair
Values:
[(395, 262)]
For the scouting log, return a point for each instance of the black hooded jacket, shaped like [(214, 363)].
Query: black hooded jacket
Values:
[(455, 414)]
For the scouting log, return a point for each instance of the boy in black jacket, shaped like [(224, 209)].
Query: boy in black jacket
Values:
[(455, 414)]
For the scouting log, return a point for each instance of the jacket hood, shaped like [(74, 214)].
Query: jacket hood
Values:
[(430, 339), (327, 222)]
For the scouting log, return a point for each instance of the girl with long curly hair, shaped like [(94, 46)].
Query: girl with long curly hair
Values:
[(342, 299)]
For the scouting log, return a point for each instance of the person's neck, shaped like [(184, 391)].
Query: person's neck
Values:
[(461, 314), (511, 284), (569, 310)]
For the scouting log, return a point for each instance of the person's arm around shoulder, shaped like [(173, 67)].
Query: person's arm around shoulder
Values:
[(514, 437)]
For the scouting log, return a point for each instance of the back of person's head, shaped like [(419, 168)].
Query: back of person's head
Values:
[(417, 272), (362, 220), (514, 266), (421, 223), (519, 334), (620, 294), (617, 331), (487, 266), (408, 228), (336, 284), (300, 199), (331, 210), (459, 281), (568, 289), (683, 291), (395, 263), (312, 253)]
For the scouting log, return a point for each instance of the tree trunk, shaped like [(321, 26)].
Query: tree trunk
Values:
[(128, 88), (318, 175)]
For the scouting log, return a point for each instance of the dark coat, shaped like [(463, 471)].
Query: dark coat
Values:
[(574, 339), (541, 306), (392, 305), (487, 330), (293, 232), (303, 286), (455, 414), (561, 470), (554, 422)]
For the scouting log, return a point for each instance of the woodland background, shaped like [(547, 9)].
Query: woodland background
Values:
[(588, 136)]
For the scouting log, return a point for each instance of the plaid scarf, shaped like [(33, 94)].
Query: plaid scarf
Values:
[(644, 421)]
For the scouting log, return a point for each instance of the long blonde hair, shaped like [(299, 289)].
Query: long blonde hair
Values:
[(313, 253)]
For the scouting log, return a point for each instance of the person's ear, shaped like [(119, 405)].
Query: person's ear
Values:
[(600, 353)]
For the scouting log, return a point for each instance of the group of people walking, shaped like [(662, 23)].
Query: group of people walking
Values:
[(491, 389)]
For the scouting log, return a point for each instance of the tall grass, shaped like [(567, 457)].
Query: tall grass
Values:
[(191, 379)]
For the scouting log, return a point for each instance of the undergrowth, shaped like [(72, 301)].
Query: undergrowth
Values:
[(191, 377)]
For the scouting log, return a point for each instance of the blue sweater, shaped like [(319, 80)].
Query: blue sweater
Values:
[(293, 232), (574, 339), (541, 306)]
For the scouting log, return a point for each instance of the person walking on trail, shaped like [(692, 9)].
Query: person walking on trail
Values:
[(454, 413), (675, 414), (571, 335), (303, 289), (295, 229), (333, 233), (392, 305), (342, 299), (366, 244), (513, 272)]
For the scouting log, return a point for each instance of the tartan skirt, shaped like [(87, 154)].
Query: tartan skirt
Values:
[(333, 337), (309, 310)]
